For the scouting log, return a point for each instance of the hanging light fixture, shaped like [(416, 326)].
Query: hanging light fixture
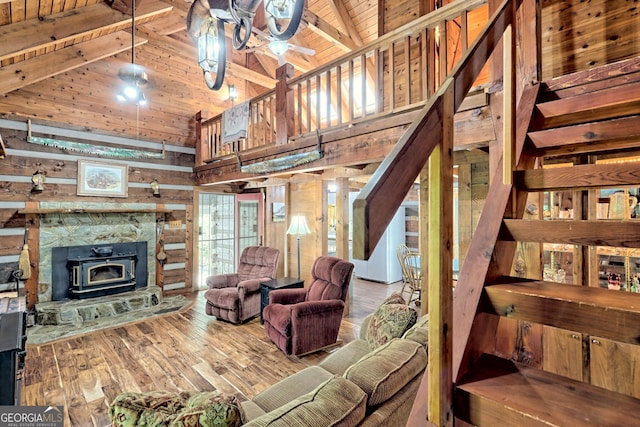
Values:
[(278, 47), (205, 24), (133, 76)]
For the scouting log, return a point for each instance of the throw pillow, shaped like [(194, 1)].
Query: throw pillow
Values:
[(388, 322), (210, 409), (156, 408), (394, 298)]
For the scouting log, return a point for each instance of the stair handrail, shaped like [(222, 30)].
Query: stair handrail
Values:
[(430, 139)]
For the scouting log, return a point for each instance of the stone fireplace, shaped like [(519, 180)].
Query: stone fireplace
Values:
[(123, 227), (88, 271)]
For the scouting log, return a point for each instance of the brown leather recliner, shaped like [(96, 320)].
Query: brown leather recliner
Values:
[(235, 297), (303, 320)]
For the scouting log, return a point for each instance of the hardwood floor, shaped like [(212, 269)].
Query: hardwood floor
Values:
[(187, 351)]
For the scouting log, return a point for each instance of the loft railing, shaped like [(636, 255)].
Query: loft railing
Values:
[(398, 72)]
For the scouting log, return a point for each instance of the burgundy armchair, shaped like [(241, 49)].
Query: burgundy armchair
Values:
[(300, 321), (235, 297)]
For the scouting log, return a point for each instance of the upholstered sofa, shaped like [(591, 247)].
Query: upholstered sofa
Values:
[(371, 381)]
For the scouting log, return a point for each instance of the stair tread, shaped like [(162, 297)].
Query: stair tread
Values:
[(511, 392), (582, 309), (598, 232)]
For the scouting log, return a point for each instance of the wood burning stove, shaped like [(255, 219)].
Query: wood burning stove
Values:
[(94, 270), (98, 273)]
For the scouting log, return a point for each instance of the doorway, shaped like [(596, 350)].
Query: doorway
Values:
[(227, 224)]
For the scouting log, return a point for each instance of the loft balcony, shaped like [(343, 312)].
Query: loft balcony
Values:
[(350, 112)]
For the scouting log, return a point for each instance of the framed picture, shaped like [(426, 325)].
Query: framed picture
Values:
[(102, 179), (277, 213)]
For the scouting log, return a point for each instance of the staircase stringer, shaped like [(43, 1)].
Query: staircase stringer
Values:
[(487, 257)]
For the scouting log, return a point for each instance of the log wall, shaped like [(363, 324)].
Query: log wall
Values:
[(19, 204)]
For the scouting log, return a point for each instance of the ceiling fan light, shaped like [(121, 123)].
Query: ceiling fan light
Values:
[(130, 92), (278, 47), (279, 9)]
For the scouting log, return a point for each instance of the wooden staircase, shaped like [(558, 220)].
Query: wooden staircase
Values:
[(575, 121)]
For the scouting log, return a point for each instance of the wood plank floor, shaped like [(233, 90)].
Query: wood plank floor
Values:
[(187, 351)]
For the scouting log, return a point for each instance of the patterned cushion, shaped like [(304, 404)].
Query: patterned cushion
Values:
[(386, 370), (336, 402), (210, 409), (206, 409), (145, 409), (394, 298), (388, 322)]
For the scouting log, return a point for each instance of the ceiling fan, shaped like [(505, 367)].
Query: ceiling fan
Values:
[(133, 75), (277, 47)]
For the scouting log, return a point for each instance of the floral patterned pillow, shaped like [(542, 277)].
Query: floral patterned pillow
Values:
[(388, 322), (163, 408), (210, 409)]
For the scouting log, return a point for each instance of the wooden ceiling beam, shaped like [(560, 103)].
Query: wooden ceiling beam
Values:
[(35, 35), (245, 73), (33, 70), (325, 30), (345, 21), (172, 23)]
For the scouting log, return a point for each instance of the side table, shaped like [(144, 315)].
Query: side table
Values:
[(278, 283)]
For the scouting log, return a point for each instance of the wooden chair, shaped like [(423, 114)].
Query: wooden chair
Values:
[(411, 274)]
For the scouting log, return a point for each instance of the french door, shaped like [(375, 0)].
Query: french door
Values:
[(226, 225)]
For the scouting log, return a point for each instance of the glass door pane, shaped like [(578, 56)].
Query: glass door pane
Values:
[(249, 223)]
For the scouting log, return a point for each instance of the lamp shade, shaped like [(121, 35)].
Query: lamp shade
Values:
[(298, 226)]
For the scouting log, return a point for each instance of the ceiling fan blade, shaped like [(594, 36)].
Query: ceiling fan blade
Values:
[(301, 49), (254, 49)]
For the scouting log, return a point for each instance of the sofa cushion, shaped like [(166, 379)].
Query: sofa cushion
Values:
[(251, 410), (419, 332), (389, 321), (292, 387), (387, 369), (336, 402), (338, 361)]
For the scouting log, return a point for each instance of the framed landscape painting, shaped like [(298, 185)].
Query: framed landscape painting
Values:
[(102, 179)]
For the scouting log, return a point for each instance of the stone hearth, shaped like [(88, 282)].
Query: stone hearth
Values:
[(75, 312), (141, 301)]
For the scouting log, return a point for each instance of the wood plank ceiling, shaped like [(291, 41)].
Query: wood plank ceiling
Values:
[(48, 38)]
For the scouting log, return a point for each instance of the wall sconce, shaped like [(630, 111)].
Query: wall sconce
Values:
[(37, 179), (233, 92), (155, 187)]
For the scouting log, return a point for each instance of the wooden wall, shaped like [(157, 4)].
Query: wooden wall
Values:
[(305, 198), (578, 35), (275, 231), (61, 169)]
